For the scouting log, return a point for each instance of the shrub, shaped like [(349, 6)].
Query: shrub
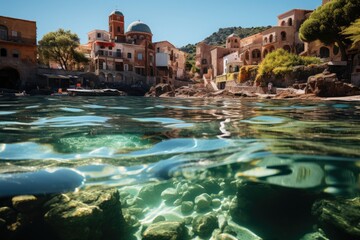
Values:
[(280, 62)]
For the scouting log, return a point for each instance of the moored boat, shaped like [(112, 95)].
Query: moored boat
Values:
[(95, 92)]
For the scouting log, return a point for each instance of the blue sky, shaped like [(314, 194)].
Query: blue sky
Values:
[(178, 21)]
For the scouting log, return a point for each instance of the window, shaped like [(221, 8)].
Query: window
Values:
[(324, 52), (3, 33), (140, 56), (336, 50), (203, 61), (118, 29), (3, 52), (129, 55), (158, 50), (271, 38), (110, 29), (110, 48), (118, 52), (98, 35), (236, 40), (283, 36), (15, 54), (126, 67), (290, 22), (14, 33)]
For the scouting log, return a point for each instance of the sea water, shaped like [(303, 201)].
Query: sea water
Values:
[(58, 144)]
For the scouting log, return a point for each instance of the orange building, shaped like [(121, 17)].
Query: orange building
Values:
[(17, 52)]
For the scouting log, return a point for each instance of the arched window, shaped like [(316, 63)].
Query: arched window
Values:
[(3, 33), (3, 52), (283, 36), (290, 22), (236, 69), (265, 39), (271, 38), (287, 48), (324, 52), (283, 23), (256, 53)]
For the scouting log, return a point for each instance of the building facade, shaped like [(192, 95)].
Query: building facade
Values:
[(170, 62), (117, 56), (18, 52), (253, 49), (129, 57)]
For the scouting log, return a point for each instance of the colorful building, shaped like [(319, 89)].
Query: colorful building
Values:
[(18, 52), (130, 57), (253, 49)]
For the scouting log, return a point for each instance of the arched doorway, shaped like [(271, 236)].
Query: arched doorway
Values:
[(9, 78)]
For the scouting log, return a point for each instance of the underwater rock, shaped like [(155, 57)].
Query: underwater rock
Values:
[(339, 218), (224, 236), (192, 192), (315, 236), (26, 203), (92, 214), (211, 186), (169, 194), (187, 207), (203, 226), (166, 231), (215, 203), (159, 218), (265, 209), (202, 202), (151, 193)]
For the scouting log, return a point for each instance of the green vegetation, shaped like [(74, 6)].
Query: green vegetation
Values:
[(247, 72), (328, 21), (280, 62), (219, 37), (60, 47), (353, 32)]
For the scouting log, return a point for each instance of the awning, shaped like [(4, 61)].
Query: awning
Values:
[(105, 44), (59, 76)]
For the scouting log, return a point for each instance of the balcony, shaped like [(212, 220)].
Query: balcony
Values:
[(19, 40), (111, 54)]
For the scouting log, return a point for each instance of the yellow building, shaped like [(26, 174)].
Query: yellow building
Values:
[(17, 52)]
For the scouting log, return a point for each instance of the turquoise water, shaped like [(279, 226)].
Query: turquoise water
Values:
[(58, 144)]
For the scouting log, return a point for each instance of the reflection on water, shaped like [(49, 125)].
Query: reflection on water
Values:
[(126, 141), (287, 143)]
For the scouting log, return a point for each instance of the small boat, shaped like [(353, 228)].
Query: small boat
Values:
[(95, 92)]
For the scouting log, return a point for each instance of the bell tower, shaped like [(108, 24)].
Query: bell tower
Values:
[(116, 26)]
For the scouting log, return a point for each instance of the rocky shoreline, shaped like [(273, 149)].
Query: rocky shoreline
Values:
[(213, 208), (323, 86)]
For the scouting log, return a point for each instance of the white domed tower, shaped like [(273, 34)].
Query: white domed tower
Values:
[(138, 32)]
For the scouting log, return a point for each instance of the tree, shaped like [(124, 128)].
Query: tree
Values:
[(353, 33), (328, 21), (60, 46)]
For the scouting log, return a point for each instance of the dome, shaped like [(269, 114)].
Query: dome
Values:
[(139, 27), (117, 13)]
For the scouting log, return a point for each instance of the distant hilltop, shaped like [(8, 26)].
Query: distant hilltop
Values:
[(218, 38)]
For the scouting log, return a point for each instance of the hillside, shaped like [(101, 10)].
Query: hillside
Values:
[(219, 38)]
